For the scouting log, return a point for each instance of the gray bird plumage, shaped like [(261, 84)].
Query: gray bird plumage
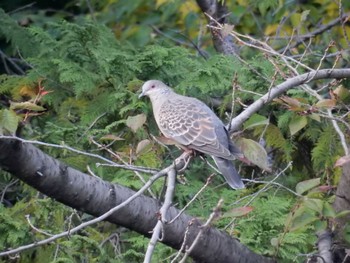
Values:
[(192, 124)]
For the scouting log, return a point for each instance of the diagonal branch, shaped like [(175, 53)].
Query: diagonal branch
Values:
[(96, 197), (283, 87)]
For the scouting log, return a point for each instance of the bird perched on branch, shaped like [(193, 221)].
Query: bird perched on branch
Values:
[(193, 125)]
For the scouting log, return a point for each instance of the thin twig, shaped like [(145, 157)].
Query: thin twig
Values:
[(7, 186), (183, 242), (168, 199), (66, 147), (37, 229), (125, 163), (211, 218), (93, 221), (193, 199)]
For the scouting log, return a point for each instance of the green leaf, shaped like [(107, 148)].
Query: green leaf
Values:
[(8, 121), (297, 123), (304, 186), (328, 210), (255, 120), (254, 152), (315, 117), (342, 213), (303, 220), (314, 204), (136, 122)]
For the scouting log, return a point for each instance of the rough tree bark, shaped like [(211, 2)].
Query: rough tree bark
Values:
[(95, 196), (341, 203), (223, 43)]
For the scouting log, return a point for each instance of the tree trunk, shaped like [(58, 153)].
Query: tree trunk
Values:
[(223, 42), (341, 203)]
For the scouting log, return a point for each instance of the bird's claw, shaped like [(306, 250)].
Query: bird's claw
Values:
[(183, 161)]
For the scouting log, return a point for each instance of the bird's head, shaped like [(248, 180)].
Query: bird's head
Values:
[(154, 88)]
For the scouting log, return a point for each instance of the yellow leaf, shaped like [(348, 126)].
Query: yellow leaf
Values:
[(243, 2), (28, 91), (295, 19), (326, 103), (271, 29), (27, 105), (111, 137), (186, 8), (160, 2), (341, 92)]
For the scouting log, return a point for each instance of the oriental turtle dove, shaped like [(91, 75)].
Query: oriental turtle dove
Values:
[(193, 125)]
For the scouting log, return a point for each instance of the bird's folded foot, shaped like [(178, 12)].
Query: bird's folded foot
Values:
[(183, 161)]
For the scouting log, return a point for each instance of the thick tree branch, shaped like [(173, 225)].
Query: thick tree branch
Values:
[(341, 203), (283, 87), (95, 196), (324, 245)]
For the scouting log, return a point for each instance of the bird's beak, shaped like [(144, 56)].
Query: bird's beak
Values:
[(141, 95)]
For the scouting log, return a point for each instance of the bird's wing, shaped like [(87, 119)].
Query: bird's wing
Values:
[(190, 122)]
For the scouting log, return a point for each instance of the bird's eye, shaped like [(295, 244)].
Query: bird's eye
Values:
[(153, 86)]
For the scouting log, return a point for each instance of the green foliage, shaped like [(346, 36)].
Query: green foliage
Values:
[(265, 229), (14, 230), (93, 70), (265, 222), (17, 35), (327, 149)]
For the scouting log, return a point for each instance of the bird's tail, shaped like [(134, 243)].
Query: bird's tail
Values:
[(230, 173)]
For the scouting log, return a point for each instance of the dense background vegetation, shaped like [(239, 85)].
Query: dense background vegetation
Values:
[(70, 75)]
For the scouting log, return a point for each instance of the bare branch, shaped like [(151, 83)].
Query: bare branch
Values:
[(283, 87), (162, 215)]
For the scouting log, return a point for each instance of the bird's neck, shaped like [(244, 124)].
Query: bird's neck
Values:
[(157, 101)]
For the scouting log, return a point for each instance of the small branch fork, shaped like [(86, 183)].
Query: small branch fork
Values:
[(157, 235), (157, 231)]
